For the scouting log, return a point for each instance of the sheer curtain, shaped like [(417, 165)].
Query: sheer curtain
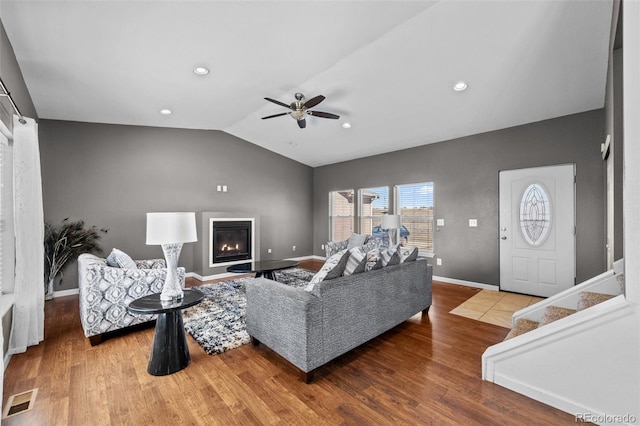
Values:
[(28, 309)]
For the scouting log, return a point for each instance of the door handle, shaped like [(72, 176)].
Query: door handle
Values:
[(503, 238)]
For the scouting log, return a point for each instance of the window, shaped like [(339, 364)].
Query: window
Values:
[(414, 203), (373, 203), (341, 214), (535, 215)]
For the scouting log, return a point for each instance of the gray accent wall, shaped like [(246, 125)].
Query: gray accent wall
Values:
[(465, 175), (112, 175)]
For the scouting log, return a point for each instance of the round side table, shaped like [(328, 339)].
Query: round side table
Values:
[(170, 352)]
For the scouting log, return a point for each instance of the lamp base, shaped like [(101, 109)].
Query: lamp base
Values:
[(171, 290)]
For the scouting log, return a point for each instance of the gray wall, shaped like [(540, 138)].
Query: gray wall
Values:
[(111, 175), (465, 176)]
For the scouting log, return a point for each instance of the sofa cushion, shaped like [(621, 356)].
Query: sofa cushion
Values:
[(374, 260), (332, 268), (390, 256), (119, 259), (357, 260), (332, 247), (408, 254), (356, 240)]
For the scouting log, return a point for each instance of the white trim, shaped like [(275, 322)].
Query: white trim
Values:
[(6, 303), (466, 283), (7, 358), (232, 219), (63, 293), (541, 395)]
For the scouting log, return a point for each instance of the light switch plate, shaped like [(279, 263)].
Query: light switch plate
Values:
[(473, 223), (440, 222)]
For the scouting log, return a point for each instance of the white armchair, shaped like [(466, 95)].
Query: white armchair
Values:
[(106, 292)]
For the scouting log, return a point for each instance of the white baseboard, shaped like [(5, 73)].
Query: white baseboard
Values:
[(466, 283), (63, 293)]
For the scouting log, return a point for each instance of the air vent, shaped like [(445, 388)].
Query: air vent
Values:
[(19, 403)]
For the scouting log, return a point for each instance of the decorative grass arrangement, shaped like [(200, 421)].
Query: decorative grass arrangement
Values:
[(64, 243)]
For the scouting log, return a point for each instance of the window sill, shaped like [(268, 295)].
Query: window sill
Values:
[(6, 303)]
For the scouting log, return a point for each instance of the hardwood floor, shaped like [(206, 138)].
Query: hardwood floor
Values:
[(425, 371)]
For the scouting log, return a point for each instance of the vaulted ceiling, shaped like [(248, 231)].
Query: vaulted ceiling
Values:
[(386, 67)]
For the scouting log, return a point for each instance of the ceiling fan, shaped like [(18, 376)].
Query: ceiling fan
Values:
[(300, 109)]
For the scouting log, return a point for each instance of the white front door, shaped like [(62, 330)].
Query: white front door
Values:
[(537, 230)]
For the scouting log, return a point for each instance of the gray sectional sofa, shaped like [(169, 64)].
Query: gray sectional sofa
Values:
[(310, 328)]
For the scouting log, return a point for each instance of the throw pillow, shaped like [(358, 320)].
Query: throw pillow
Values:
[(357, 261), (390, 256), (332, 247), (408, 254), (356, 240), (332, 268), (119, 259), (374, 260)]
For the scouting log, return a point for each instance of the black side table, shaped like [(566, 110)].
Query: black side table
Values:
[(170, 352)]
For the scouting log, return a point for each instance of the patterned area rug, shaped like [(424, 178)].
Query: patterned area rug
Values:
[(218, 322)]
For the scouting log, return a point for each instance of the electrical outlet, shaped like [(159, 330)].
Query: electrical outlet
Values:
[(294, 248), (224, 188), (440, 222), (322, 246), (219, 188), (439, 262), (268, 250)]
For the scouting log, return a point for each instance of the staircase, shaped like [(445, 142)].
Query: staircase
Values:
[(569, 350), (553, 313)]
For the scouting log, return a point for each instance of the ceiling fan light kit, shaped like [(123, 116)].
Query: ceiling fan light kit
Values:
[(300, 109)]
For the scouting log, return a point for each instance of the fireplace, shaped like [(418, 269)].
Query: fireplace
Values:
[(231, 241)]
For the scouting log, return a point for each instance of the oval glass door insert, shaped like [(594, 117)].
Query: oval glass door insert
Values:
[(535, 215)]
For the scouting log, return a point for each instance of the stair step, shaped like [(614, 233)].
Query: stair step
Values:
[(522, 326), (554, 313), (589, 299)]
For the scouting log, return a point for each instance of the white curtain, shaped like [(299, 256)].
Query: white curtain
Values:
[(28, 309)]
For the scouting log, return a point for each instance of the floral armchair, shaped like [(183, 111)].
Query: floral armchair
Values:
[(105, 293)]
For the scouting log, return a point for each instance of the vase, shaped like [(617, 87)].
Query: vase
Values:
[(48, 294)]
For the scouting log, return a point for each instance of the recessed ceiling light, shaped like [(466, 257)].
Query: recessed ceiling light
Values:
[(460, 86), (165, 111), (201, 70), (346, 125)]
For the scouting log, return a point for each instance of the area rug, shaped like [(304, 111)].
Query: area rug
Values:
[(218, 322)]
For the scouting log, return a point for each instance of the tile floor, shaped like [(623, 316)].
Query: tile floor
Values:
[(494, 307)]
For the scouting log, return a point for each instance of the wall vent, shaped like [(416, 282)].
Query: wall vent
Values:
[(19, 403)]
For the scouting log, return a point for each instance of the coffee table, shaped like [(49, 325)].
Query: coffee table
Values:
[(263, 268), (170, 352)]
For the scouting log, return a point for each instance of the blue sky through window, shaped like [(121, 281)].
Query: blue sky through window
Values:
[(415, 195)]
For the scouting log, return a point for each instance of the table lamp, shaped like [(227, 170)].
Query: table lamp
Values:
[(171, 230), (391, 222)]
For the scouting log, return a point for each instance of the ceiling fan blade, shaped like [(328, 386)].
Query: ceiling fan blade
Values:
[(278, 103), (314, 101), (276, 115), (302, 123), (323, 114)]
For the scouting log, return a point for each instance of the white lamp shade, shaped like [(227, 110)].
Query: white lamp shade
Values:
[(390, 221), (169, 228)]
